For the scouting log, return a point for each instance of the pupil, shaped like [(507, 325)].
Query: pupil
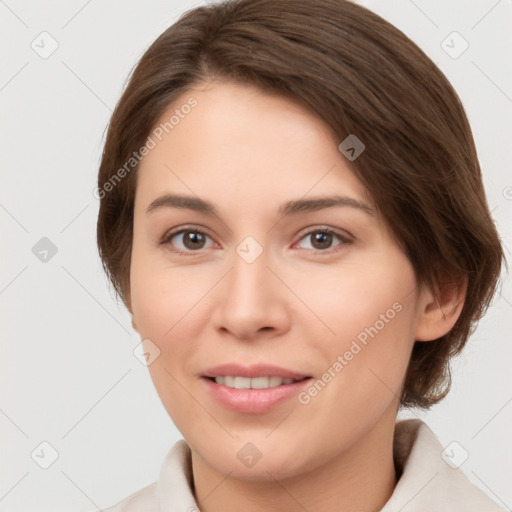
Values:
[(324, 240), (192, 238)]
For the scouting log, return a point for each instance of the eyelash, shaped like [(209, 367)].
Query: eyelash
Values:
[(194, 229)]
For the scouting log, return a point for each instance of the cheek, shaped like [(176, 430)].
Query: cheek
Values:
[(170, 305), (370, 313), (165, 297), (165, 303), (362, 301)]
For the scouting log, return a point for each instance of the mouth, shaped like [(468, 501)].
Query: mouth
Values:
[(254, 389), (253, 395)]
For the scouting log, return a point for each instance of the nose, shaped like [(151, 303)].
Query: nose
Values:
[(252, 301)]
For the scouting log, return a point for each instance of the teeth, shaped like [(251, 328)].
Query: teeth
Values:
[(255, 383)]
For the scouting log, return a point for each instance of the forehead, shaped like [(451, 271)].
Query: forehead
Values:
[(240, 143)]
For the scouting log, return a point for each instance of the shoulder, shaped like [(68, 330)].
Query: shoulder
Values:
[(428, 477), (143, 499), (172, 490)]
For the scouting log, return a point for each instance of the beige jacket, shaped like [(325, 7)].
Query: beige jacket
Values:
[(429, 479)]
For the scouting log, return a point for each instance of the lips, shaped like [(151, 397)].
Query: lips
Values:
[(255, 389), (253, 401)]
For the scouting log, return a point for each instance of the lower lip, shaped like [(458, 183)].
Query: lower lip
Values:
[(254, 401)]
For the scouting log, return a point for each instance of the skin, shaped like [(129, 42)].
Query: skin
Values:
[(298, 305)]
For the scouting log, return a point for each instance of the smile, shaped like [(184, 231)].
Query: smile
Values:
[(256, 395), (237, 382)]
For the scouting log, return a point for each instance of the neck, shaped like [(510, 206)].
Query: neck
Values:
[(361, 479)]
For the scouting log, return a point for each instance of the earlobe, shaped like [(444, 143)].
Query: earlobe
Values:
[(439, 311)]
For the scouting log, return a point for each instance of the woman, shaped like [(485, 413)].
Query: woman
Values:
[(292, 210)]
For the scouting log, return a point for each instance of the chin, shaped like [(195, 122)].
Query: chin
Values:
[(258, 460)]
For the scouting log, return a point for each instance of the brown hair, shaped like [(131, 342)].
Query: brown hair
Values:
[(361, 76)]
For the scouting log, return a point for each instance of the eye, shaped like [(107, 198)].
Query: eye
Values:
[(321, 239), (191, 239), (186, 240)]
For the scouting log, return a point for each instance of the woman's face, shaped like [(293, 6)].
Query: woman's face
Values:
[(266, 277)]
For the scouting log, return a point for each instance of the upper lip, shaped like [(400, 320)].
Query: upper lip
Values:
[(252, 371)]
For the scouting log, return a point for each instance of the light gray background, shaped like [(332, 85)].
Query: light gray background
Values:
[(68, 373)]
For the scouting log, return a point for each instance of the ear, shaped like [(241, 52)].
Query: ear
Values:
[(440, 309)]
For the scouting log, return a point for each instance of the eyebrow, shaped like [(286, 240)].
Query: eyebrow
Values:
[(289, 208)]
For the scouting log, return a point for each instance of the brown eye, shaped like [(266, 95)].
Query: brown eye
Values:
[(193, 240), (323, 240), (187, 240)]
